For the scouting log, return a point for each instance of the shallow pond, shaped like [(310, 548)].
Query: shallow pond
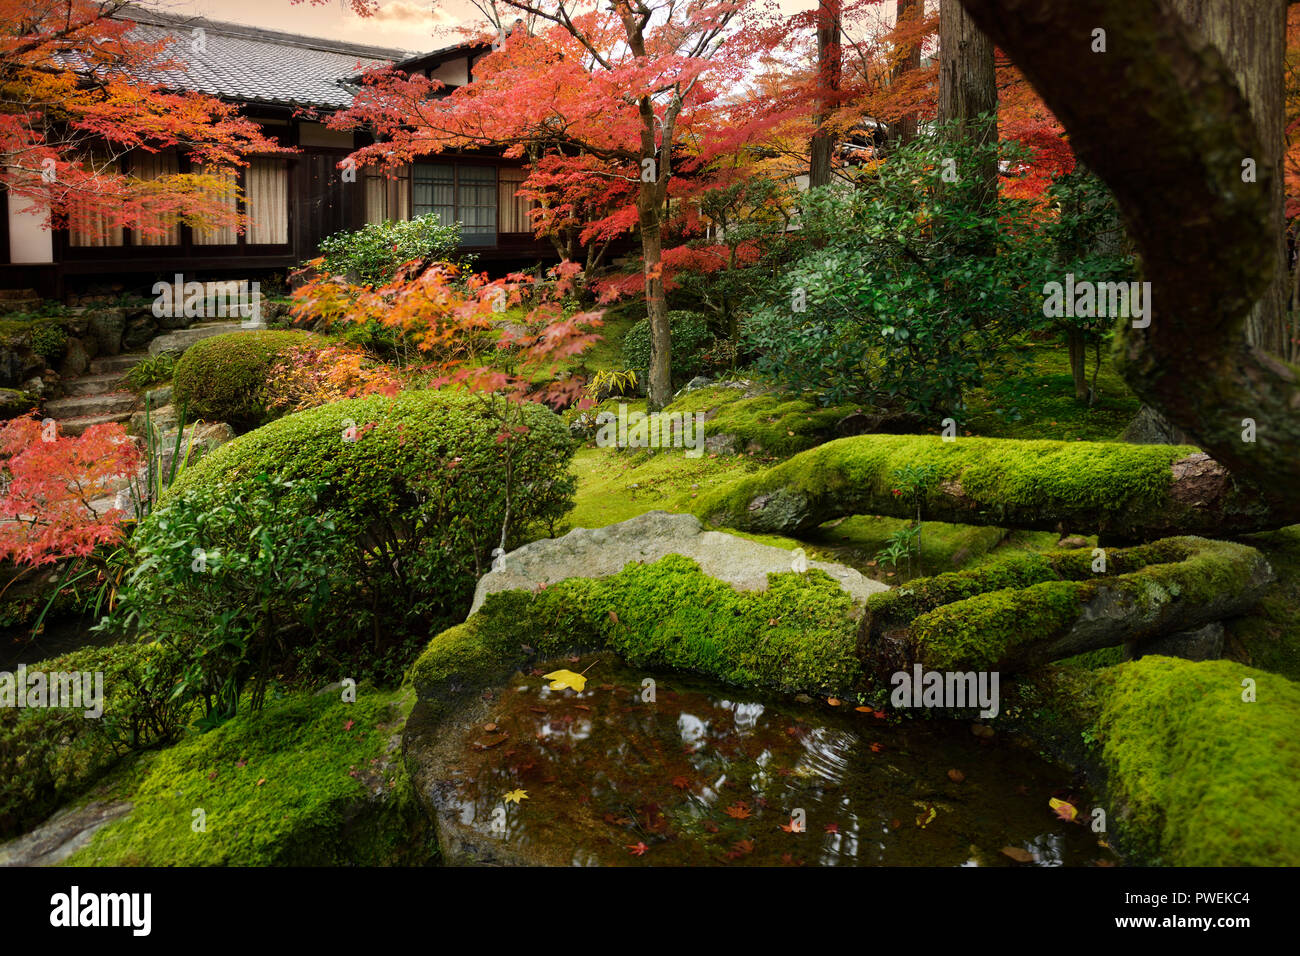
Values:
[(706, 775)]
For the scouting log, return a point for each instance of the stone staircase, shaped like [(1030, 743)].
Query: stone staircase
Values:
[(95, 399)]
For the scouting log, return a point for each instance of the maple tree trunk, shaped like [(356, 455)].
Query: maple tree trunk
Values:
[(1161, 119), (1251, 36), (659, 389), (828, 74), (907, 124)]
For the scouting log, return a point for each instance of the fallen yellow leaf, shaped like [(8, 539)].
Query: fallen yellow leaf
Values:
[(514, 796), (564, 678), (1065, 811)]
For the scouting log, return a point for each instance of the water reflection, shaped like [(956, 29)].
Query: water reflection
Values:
[(701, 777)]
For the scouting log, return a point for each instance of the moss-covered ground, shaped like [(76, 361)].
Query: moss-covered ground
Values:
[(311, 780)]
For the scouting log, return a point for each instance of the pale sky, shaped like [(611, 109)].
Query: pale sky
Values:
[(415, 25)]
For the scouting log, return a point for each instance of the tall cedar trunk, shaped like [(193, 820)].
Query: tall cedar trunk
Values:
[(911, 60), (1251, 37), (967, 84), (1160, 117), (828, 77)]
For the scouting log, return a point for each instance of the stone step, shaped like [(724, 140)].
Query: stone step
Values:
[(26, 295), (181, 340), (93, 384), (116, 364), (82, 406), (75, 426)]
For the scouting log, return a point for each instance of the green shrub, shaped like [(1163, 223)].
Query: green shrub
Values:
[(48, 755), (225, 581), (49, 341), (417, 486), (906, 288), (149, 372), (374, 253), (690, 337), (224, 378)]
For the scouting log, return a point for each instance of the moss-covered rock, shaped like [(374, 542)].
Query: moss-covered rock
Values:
[(310, 781), (1197, 774), (1032, 609), (1126, 492), (798, 635)]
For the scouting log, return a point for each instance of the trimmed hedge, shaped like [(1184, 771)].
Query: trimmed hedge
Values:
[(416, 486), (224, 378)]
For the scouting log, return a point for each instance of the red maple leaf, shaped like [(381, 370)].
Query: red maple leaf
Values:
[(637, 849), (738, 810)]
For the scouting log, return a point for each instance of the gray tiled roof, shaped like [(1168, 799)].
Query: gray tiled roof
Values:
[(259, 66)]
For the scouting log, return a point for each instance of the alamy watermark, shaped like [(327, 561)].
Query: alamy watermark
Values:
[(946, 689), (1086, 299), (639, 430), (70, 690), (209, 300)]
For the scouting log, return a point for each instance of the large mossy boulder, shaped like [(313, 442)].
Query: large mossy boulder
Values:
[(601, 552), (1126, 493)]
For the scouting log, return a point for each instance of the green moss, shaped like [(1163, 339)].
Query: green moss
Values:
[(798, 635), (614, 485), (857, 539), (776, 425), (1197, 775), (1005, 483), (978, 618), (1034, 398), (1269, 637), (294, 785)]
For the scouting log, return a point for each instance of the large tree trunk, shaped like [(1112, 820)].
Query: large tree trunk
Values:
[(968, 94), (1161, 119), (828, 78), (1251, 36), (911, 60)]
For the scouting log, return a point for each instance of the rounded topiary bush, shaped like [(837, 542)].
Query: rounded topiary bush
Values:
[(691, 339), (224, 378), (418, 487)]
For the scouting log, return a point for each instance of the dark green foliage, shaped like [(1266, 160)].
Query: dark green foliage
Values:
[(48, 755), (228, 582), (374, 253), (690, 343), (224, 378), (417, 488), (890, 303)]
